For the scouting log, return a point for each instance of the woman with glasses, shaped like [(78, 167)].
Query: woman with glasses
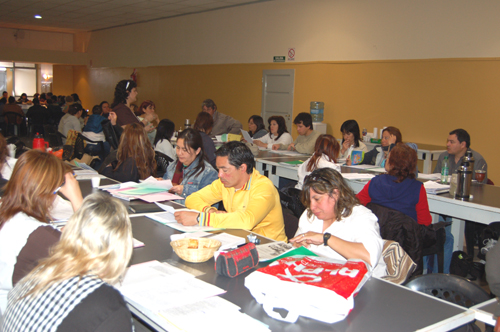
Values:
[(335, 225), (25, 214), (71, 289)]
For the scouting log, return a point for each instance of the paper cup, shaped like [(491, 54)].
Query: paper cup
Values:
[(95, 182)]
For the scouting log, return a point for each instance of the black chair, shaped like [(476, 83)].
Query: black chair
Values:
[(450, 288), (53, 136), (11, 122), (109, 134), (291, 222), (162, 162)]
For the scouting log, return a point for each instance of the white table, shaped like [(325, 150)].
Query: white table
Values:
[(485, 311)]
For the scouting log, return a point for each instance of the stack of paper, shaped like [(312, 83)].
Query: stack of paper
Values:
[(357, 176), (176, 300), (434, 188), (433, 176), (150, 190)]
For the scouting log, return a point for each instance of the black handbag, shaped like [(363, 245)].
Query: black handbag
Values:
[(235, 262)]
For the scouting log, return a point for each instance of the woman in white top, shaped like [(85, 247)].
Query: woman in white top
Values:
[(351, 139), (325, 154), (164, 133), (335, 225), (278, 134)]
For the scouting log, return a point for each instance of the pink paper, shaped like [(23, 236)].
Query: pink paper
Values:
[(158, 197)]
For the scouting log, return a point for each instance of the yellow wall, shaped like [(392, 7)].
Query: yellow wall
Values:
[(424, 98), (62, 81)]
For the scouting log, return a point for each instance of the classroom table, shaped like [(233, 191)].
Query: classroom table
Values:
[(485, 312), (379, 306), (425, 152)]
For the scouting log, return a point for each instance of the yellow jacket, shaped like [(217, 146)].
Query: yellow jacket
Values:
[(254, 207)]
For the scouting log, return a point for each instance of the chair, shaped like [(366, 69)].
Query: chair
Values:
[(412, 237), (450, 288), (399, 265), (11, 122), (53, 136), (291, 222), (162, 162), (109, 134)]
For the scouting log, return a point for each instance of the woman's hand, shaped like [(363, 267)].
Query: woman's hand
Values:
[(71, 190), (259, 143), (177, 189), (112, 117), (149, 117), (149, 127), (276, 146), (346, 145), (306, 239), (348, 161)]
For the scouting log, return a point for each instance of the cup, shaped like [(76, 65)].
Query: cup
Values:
[(12, 150), (95, 181), (480, 175), (453, 184)]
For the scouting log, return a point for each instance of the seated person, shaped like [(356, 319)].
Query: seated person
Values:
[(351, 139), (147, 109), (223, 124), (164, 133), (256, 127), (71, 289), (278, 134), (325, 154), (93, 131), (378, 155), (4, 153), (37, 116), (13, 107), (398, 189), (135, 157), (251, 200), (334, 225), (190, 171), (25, 232), (306, 140), (23, 99), (70, 120), (204, 123), (54, 111)]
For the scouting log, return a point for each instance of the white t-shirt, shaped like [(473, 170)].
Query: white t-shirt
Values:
[(361, 227), (285, 139), (165, 147), (323, 162)]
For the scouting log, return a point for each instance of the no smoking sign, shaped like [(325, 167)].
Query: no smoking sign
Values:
[(291, 54)]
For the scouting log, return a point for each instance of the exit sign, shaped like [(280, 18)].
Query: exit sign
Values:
[(279, 59)]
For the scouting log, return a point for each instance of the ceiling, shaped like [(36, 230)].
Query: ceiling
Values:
[(90, 15)]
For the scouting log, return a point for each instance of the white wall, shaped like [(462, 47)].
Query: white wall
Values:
[(320, 30)]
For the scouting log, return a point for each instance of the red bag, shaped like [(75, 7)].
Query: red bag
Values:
[(314, 287)]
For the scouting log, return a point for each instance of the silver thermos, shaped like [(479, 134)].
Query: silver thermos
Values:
[(464, 177)]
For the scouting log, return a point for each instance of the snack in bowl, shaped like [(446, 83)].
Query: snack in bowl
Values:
[(195, 250)]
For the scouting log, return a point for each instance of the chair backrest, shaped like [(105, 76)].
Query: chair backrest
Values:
[(399, 227), (109, 134), (79, 146), (162, 162), (450, 288), (11, 117), (51, 135)]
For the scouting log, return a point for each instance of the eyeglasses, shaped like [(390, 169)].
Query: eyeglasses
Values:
[(59, 188)]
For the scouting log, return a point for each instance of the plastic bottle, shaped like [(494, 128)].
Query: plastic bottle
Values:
[(317, 108), (445, 171)]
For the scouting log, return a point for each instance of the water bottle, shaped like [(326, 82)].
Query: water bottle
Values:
[(445, 171), (464, 179), (317, 108)]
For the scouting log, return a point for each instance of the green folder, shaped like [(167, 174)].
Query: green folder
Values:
[(294, 162), (300, 251)]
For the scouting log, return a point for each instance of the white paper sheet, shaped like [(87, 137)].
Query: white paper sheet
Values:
[(246, 136), (358, 176)]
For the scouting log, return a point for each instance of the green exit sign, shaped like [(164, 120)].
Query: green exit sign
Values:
[(279, 59)]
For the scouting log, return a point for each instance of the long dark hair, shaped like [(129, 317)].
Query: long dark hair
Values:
[(281, 125), (165, 130), (258, 121), (192, 139), (122, 90), (134, 143), (351, 126), (325, 144)]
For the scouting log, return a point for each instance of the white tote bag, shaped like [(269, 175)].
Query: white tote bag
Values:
[(313, 287)]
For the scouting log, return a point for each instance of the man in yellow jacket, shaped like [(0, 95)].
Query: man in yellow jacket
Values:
[(250, 199)]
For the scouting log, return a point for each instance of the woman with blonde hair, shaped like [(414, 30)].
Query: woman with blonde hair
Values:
[(25, 231), (135, 156), (71, 289)]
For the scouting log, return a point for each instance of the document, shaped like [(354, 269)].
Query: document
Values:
[(167, 218), (433, 176), (160, 197), (357, 176), (228, 241), (246, 136), (434, 188)]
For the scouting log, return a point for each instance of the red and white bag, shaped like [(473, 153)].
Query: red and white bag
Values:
[(314, 287)]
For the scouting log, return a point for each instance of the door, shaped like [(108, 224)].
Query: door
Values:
[(277, 94)]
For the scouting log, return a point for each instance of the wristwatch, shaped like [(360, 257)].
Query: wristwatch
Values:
[(326, 237)]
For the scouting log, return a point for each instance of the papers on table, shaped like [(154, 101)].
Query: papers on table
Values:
[(160, 197), (149, 190), (177, 301), (167, 218), (434, 188), (228, 241), (287, 153), (137, 243), (296, 163), (433, 176), (246, 136), (358, 176), (278, 250)]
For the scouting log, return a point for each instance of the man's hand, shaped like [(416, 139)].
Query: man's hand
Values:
[(276, 146), (291, 147), (186, 218)]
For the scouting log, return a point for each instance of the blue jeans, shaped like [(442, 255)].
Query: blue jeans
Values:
[(431, 261), (95, 149)]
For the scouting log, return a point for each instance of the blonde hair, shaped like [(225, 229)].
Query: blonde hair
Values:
[(97, 240), (31, 187)]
